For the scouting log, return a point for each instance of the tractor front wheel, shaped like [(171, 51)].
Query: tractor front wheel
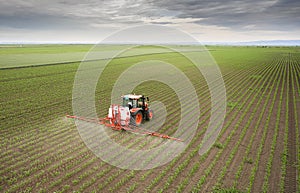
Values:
[(149, 115)]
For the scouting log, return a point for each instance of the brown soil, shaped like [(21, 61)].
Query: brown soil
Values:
[(291, 170)]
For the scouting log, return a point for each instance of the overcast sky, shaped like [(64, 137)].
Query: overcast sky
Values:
[(93, 20)]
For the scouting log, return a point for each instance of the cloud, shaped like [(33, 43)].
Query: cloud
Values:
[(197, 16), (270, 14)]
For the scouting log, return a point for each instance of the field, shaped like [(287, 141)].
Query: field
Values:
[(257, 150)]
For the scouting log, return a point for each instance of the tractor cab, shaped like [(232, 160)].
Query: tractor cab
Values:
[(135, 101)]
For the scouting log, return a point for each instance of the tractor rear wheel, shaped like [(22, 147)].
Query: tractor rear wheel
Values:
[(138, 118)]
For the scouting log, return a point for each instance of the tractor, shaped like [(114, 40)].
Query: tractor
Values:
[(128, 116), (134, 110)]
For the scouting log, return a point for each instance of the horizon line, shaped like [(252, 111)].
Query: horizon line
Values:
[(295, 42)]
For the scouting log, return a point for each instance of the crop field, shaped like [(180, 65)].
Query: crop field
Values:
[(257, 150)]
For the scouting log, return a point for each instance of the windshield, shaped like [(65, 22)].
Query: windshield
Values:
[(133, 102), (125, 102)]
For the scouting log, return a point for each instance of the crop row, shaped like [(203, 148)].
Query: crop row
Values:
[(266, 92), (193, 153), (230, 135)]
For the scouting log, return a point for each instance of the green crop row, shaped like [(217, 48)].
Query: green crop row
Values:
[(186, 161), (242, 135), (228, 139), (274, 141), (246, 158), (193, 170), (261, 144)]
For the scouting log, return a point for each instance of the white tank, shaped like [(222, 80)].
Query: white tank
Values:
[(123, 118), (125, 115)]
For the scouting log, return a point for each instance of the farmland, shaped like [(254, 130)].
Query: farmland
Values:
[(257, 150)]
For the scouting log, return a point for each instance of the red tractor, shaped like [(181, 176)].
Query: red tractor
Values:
[(134, 110), (138, 107)]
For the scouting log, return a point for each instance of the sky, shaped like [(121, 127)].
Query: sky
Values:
[(91, 21)]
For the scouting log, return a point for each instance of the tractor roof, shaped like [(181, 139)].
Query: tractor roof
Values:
[(132, 96)]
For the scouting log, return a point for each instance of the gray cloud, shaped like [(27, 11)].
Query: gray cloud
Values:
[(267, 15), (237, 15), (232, 13)]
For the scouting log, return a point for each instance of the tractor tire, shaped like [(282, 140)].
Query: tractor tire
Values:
[(149, 115), (137, 119)]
